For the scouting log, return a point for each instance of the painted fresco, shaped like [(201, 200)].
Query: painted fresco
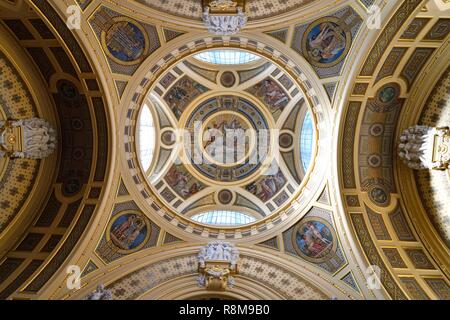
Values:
[(182, 182), (129, 231), (267, 187), (125, 41), (182, 94), (272, 95)]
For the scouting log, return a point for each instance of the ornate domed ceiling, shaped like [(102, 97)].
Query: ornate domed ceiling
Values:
[(226, 131), (435, 186), (16, 102), (280, 140)]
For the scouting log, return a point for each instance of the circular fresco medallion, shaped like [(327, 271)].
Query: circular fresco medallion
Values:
[(379, 196), (376, 129), (71, 186), (227, 79), (67, 89), (286, 140), (125, 41), (374, 160), (227, 138), (225, 145), (129, 232), (225, 196), (168, 138), (314, 239), (387, 94), (326, 43)]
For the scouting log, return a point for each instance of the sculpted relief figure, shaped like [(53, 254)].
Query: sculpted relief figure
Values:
[(32, 138), (224, 24), (217, 263), (218, 251), (418, 145), (2, 138)]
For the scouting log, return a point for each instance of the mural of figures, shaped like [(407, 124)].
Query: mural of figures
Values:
[(225, 138), (182, 182), (326, 43), (227, 160), (126, 41), (129, 231), (182, 93), (269, 92), (314, 239), (268, 186)]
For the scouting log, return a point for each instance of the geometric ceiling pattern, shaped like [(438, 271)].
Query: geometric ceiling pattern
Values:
[(255, 181), (124, 201)]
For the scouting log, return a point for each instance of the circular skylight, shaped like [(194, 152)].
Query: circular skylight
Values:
[(223, 218), (227, 57)]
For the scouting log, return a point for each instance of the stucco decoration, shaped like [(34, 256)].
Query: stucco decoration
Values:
[(217, 263), (423, 147), (223, 17), (29, 138)]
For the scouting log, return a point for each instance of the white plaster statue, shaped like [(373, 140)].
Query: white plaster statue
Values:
[(416, 147), (100, 294), (217, 263), (423, 147), (234, 256), (218, 251), (231, 282), (226, 24), (201, 280), (38, 141)]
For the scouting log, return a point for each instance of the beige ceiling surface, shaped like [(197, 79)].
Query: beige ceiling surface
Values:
[(256, 9)]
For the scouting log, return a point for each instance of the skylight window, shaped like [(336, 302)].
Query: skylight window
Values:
[(146, 134), (227, 57), (306, 141), (223, 218)]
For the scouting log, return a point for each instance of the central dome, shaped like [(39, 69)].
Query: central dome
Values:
[(229, 139), (223, 143)]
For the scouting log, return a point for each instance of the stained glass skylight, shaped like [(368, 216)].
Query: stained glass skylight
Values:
[(146, 134), (223, 218), (306, 141), (227, 57)]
